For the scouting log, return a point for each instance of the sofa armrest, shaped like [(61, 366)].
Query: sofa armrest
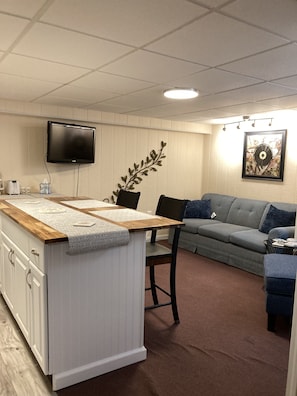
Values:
[(282, 232)]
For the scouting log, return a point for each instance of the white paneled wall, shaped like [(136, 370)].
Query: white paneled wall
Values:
[(23, 152)]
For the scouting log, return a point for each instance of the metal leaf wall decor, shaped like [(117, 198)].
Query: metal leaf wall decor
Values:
[(137, 172)]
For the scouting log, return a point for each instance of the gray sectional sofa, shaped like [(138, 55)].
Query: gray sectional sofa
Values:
[(233, 235)]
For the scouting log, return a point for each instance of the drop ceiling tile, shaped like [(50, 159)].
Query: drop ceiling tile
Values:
[(214, 40), (23, 8), (40, 69), (146, 20), (23, 89), (276, 63), (59, 45), (146, 98), (283, 102), (206, 115), (10, 28), (240, 96), (112, 83), (249, 108), (214, 80), (287, 81), (81, 94), (257, 92), (144, 65), (59, 101), (211, 3), (154, 112), (278, 16)]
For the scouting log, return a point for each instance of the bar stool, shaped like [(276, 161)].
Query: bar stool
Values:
[(157, 254)]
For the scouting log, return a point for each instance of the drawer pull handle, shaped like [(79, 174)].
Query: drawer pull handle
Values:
[(10, 256), (27, 279), (35, 252)]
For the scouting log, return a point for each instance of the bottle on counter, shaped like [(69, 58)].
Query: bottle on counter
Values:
[(45, 187)]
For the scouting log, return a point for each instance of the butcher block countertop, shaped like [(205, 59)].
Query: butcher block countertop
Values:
[(50, 235)]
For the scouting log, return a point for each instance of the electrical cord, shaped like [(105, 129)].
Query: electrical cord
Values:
[(77, 182)]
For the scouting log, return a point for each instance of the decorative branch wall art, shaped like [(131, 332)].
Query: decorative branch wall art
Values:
[(138, 171), (264, 155)]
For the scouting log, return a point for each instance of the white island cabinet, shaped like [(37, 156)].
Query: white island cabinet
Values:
[(82, 315)]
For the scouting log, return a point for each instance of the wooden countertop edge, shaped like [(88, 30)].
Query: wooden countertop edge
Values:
[(35, 227), (49, 235)]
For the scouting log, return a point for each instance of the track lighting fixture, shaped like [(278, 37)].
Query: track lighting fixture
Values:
[(247, 119)]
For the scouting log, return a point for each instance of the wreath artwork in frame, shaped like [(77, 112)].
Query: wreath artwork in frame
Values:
[(264, 155)]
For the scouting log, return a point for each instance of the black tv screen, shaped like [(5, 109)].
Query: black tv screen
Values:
[(70, 143)]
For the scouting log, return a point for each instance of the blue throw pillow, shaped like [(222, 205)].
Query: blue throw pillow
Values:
[(277, 218), (198, 209)]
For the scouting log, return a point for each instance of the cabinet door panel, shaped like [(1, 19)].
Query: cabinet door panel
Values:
[(22, 305), (39, 343), (8, 274)]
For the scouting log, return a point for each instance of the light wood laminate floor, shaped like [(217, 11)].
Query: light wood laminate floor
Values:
[(20, 374)]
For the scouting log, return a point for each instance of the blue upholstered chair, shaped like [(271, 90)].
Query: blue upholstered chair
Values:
[(279, 283)]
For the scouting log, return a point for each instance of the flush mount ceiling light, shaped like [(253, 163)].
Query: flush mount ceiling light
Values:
[(181, 93)]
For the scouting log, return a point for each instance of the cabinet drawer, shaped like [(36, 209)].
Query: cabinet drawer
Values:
[(15, 233), (36, 253)]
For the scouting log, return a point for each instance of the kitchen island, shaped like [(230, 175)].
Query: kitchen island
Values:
[(82, 313)]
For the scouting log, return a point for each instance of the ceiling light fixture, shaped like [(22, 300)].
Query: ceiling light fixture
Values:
[(181, 93), (247, 118)]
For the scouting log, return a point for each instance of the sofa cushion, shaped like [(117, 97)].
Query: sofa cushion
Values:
[(220, 204), (250, 239), (192, 225), (246, 212), (282, 232), (220, 231), (277, 218), (199, 208), (289, 207)]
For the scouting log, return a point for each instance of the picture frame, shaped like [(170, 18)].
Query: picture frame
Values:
[(264, 155)]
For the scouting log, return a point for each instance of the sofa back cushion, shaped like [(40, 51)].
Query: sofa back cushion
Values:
[(199, 209), (220, 204), (272, 219), (246, 212)]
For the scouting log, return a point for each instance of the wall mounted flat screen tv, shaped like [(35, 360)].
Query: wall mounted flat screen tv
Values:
[(70, 143)]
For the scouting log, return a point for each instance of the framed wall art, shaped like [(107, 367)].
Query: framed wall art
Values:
[(264, 155)]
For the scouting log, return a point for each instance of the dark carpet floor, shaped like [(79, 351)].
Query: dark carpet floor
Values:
[(220, 348)]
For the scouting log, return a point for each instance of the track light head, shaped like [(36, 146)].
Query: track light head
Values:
[(238, 126)]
